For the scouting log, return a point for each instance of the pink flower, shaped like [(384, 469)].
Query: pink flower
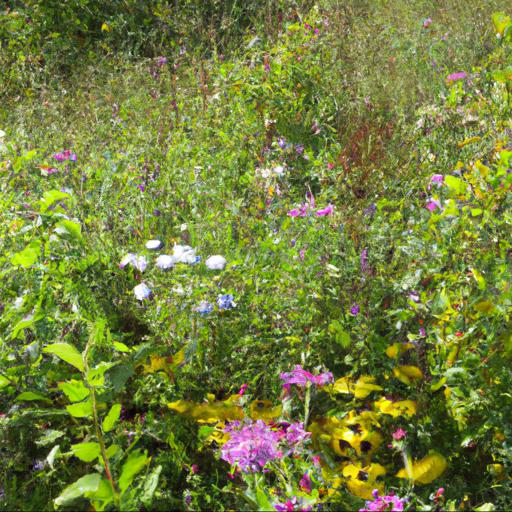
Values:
[(243, 389), (427, 22), (301, 377), (305, 483), (316, 460), (399, 434), (325, 211), (438, 179), (433, 204), (330, 166), (194, 469), (456, 76), (293, 213)]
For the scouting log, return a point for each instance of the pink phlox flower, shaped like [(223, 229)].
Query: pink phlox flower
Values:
[(325, 211), (296, 435), (292, 505), (399, 434), (301, 377), (456, 76), (389, 503), (293, 213), (251, 446)]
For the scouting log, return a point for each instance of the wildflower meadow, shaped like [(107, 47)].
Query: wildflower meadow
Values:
[(256, 255)]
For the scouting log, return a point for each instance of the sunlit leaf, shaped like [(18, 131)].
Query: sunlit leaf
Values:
[(398, 408), (67, 353), (425, 470), (86, 451), (407, 374), (84, 486), (111, 418), (75, 390), (264, 410)]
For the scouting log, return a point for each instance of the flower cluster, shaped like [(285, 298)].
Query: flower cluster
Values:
[(391, 503), (301, 377), (65, 155)]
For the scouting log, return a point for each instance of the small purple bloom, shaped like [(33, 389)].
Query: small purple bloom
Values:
[(281, 142), (427, 22), (204, 308), (456, 76), (433, 204), (161, 61), (437, 179), (301, 377), (325, 211), (225, 301), (299, 149), (354, 310)]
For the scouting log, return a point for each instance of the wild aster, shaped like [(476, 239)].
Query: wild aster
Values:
[(225, 301), (251, 446), (216, 262), (204, 308), (142, 291), (281, 142), (354, 310), (299, 149)]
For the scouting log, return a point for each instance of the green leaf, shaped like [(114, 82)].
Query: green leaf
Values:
[(150, 487), (67, 353), (50, 197), (29, 396), (501, 21), (133, 465), (85, 486), (86, 451), (75, 390), (70, 228), (50, 458), (49, 437), (28, 256), (121, 347), (81, 409), (96, 376), (110, 419), (4, 381), (455, 184)]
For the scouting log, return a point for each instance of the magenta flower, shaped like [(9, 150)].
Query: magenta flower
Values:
[(292, 505), (389, 503), (243, 389), (305, 483), (293, 213), (456, 76), (433, 204), (427, 22), (437, 179), (301, 377), (251, 446), (325, 211), (65, 155), (296, 435), (399, 434)]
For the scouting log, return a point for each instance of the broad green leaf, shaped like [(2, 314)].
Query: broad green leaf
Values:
[(67, 353), (4, 381), (96, 376), (50, 458), (50, 197), (110, 419), (455, 184), (75, 390), (501, 21), (49, 437), (133, 465), (69, 227), (150, 486), (81, 409), (121, 347), (112, 450), (29, 396), (86, 451), (85, 486), (28, 256)]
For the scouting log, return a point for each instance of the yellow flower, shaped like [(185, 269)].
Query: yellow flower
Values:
[(362, 480), (425, 470), (407, 374), (264, 410), (395, 409), (360, 389)]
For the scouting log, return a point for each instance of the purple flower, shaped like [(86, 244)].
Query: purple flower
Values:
[(456, 76), (370, 210), (296, 435), (354, 310), (364, 261), (301, 377), (281, 142), (433, 204), (391, 503), (294, 213), (299, 149), (225, 301), (325, 211), (292, 505), (65, 155), (305, 483), (251, 446), (161, 61), (427, 22), (422, 332), (399, 434), (204, 308), (438, 179)]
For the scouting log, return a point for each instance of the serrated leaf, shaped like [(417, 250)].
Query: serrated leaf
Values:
[(67, 353), (85, 486), (86, 451), (110, 419)]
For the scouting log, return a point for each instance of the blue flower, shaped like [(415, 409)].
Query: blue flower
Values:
[(225, 301), (204, 308)]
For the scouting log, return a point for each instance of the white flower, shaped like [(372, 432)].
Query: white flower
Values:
[(216, 262), (279, 170), (153, 245), (138, 262), (184, 254), (142, 291), (165, 261), (2, 134)]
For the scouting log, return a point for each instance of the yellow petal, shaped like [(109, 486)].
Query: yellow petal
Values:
[(407, 374), (427, 469), (264, 410), (395, 409)]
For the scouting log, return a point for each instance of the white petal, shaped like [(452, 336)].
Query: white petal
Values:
[(129, 259), (153, 245), (216, 262), (165, 261), (141, 291), (140, 263)]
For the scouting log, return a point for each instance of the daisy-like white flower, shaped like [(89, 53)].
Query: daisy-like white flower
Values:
[(154, 245), (138, 262), (165, 261), (216, 262), (142, 291), (184, 254)]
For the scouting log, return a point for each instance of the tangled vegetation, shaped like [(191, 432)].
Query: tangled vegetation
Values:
[(256, 255)]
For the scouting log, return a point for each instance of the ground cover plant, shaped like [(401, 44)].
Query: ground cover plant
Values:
[(255, 256)]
